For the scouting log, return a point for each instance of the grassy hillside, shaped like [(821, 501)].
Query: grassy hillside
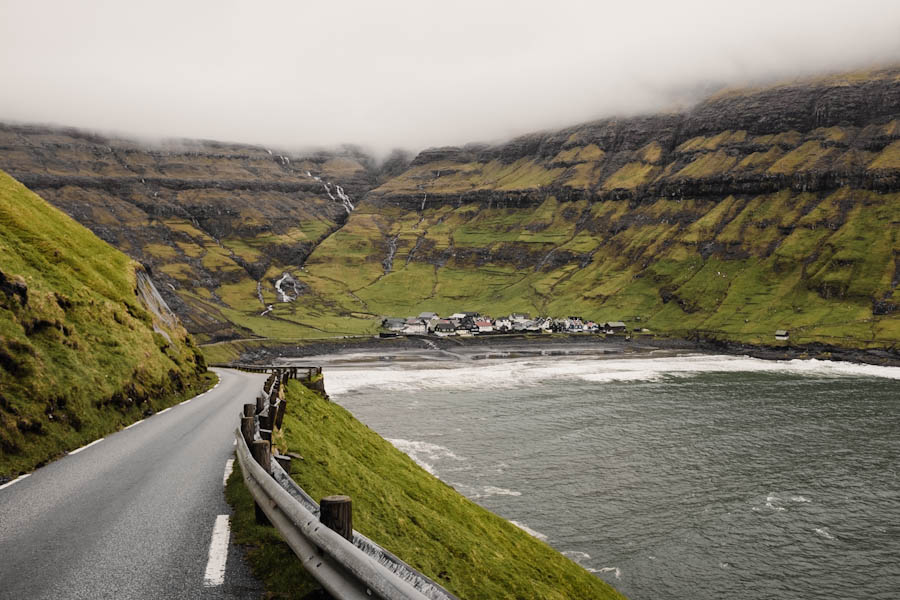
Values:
[(748, 214), (469, 550), (219, 224), (821, 265), (80, 355)]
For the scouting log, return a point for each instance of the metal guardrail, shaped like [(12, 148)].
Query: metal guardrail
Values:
[(355, 570)]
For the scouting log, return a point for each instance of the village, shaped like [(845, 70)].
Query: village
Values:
[(473, 323)]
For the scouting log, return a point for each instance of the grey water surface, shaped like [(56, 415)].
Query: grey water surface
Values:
[(673, 477)]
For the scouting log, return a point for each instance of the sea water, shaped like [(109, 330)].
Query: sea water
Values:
[(670, 477)]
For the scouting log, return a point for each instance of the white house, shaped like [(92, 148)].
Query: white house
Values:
[(484, 326), (415, 326), (503, 324)]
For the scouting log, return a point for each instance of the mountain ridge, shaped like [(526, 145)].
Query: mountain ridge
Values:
[(755, 210)]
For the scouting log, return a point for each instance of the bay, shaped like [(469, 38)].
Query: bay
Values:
[(669, 476)]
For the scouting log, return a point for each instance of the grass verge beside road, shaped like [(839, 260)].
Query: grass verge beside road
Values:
[(466, 548)]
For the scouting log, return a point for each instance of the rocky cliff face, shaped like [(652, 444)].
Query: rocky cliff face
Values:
[(217, 224), (756, 210), (815, 136)]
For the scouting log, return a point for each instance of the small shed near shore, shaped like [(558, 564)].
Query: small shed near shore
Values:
[(611, 327), (782, 335)]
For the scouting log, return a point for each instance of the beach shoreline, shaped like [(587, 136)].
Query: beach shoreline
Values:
[(500, 346)]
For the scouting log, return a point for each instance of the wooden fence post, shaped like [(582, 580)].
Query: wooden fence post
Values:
[(261, 454), (247, 430), (336, 512), (248, 410), (267, 419), (279, 413)]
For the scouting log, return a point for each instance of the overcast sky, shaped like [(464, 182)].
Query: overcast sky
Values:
[(383, 73)]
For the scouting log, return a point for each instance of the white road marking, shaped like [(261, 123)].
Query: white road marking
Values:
[(218, 552), (16, 480), (185, 402), (135, 423), (164, 410), (229, 466), (86, 447)]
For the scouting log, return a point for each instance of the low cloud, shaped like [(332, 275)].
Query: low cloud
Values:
[(409, 74)]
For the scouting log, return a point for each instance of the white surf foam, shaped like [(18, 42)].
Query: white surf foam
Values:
[(529, 530), (772, 502), (424, 453), (490, 490), (579, 557), (801, 499), (525, 372), (614, 570), (823, 532), (476, 492)]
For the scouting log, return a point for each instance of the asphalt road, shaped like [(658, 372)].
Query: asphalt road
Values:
[(132, 516)]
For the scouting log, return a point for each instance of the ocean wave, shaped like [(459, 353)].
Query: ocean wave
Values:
[(579, 557), (490, 490), (823, 532), (424, 453), (772, 503), (532, 371), (474, 493), (529, 530), (615, 570)]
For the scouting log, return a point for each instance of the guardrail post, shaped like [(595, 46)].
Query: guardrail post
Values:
[(259, 449), (247, 429), (248, 410), (265, 434), (279, 413), (260, 403), (267, 418), (336, 513)]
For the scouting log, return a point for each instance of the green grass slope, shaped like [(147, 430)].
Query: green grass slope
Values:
[(217, 223), (80, 356), (467, 549), (822, 265)]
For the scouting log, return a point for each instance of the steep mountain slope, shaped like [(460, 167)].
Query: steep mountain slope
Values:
[(757, 210), (86, 343), (217, 224)]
